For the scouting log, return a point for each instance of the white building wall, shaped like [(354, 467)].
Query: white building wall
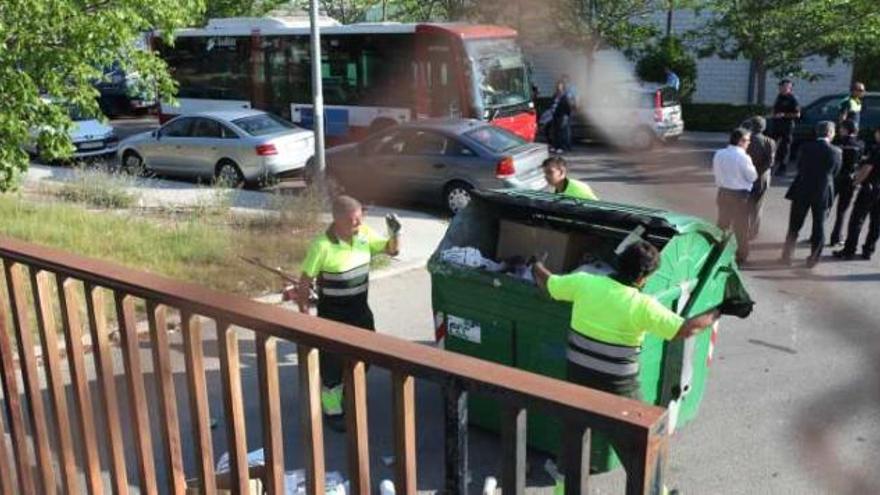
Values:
[(718, 80)]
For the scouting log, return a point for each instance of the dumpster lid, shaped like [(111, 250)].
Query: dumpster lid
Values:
[(547, 206)]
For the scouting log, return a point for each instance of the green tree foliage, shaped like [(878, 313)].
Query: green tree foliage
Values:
[(59, 48), (596, 24), (668, 52), (777, 35)]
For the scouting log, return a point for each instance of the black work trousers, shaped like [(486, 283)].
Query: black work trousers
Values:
[(844, 190), (351, 310), (797, 216), (734, 212), (782, 132), (867, 205)]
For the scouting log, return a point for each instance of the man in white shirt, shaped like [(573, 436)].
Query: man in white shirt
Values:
[(734, 175)]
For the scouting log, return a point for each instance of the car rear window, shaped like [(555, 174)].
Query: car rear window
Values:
[(264, 124), (495, 139)]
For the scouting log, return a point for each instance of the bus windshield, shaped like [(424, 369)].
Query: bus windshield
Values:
[(499, 72)]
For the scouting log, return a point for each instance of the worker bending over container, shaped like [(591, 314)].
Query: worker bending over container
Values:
[(556, 175)]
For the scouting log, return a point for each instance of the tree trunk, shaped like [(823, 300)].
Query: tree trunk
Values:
[(670, 7), (761, 81)]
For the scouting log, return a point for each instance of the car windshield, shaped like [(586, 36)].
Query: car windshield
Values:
[(500, 72), (495, 139), (263, 124)]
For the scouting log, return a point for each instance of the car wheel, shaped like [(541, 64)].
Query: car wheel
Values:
[(456, 196), (133, 164), (228, 174), (642, 139)]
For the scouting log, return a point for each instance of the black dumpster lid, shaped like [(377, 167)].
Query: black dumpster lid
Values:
[(546, 206)]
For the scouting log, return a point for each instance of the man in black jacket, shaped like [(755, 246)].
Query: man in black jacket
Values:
[(853, 148), (867, 206), (813, 191)]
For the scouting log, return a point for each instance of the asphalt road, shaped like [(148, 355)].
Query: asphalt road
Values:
[(805, 361)]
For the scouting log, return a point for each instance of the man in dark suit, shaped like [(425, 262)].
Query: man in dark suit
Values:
[(813, 191)]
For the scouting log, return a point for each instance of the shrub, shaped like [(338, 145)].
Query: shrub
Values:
[(717, 117), (99, 189)]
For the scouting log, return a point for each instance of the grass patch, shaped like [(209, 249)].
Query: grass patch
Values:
[(99, 189), (184, 245)]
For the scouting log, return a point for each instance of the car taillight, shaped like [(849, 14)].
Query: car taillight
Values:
[(658, 106), (505, 168), (266, 149)]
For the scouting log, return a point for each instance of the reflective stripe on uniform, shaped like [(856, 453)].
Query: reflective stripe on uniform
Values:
[(596, 347), (346, 276), (624, 369), (350, 291)]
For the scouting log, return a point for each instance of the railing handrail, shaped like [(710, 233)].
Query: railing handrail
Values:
[(595, 409)]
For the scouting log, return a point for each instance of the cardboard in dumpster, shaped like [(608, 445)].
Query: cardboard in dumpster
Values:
[(563, 249)]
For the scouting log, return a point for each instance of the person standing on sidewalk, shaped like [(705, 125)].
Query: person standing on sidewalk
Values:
[(867, 205), (851, 106), (844, 189), (735, 175), (556, 174), (339, 261), (786, 110), (561, 123), (813, 191), (761, 150)]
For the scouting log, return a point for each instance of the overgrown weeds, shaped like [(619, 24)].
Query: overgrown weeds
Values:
[(99, 188)]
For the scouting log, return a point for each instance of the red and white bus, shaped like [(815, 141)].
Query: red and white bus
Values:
[(374, 75)]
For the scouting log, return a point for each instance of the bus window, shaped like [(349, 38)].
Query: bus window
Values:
[(215, 68), (500, 73), (442, 90)]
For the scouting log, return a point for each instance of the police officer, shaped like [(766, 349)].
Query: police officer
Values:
[(851, 106), (556, 174), (786, 110), (853, 148), (867, 205), (339, 261), (610, 317)]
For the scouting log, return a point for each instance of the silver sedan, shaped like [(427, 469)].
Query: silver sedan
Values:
[(230, 146)]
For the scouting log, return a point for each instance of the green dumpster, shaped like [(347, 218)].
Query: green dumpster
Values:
[(502, 317)]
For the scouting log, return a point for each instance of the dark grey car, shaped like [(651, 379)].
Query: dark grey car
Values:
[(437, 161)]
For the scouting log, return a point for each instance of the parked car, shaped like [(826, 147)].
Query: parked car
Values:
[(654, 116), (437, 161), (235, 146), (828, 108), (90, 136)]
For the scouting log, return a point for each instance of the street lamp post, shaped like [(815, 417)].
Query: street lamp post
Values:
[(317, 90)]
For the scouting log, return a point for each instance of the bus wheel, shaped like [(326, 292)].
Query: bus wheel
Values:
[(228, 174), (456, 196)]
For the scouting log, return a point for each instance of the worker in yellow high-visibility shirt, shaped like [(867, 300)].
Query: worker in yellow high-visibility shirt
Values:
[(339, 261), (609, 319), (556, 175)]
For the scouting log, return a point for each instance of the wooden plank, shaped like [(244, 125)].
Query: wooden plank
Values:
[(312, 422), (456, 427), (357, 427), (6, 485), (169, 422), (576, 458), (36, 410), (513, 450), (270, 407), (14, 413), (46, 324), (645, 461), (404, 402), (95, 308), (198, 399), (137, 395), (233, 407), (69, 301)]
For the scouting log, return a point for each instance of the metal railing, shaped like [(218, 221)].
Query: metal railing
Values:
[(43, 283)]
